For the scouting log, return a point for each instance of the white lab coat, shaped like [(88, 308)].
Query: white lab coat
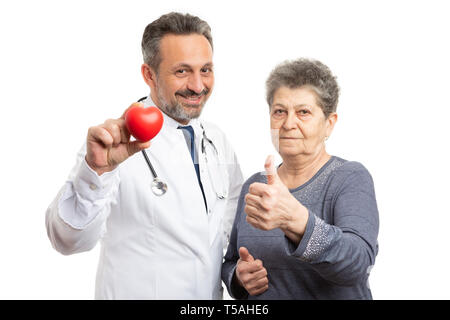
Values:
[(152, 247)]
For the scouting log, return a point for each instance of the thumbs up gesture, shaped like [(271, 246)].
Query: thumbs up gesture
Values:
[(269, 206), (250, 273)]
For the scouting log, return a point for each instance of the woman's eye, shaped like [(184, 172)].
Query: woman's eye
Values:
[(303, 111), (278, 112)]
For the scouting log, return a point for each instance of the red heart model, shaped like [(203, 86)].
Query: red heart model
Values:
[(144, 123)]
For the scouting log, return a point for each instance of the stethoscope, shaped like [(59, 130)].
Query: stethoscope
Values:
[(159, 187)]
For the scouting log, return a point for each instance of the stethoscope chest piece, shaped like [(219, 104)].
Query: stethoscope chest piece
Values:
[(158, 187)]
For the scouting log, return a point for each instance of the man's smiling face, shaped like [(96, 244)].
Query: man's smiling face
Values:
[(185, 77)]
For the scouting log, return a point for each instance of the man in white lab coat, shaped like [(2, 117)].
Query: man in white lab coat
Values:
[(166, 246)]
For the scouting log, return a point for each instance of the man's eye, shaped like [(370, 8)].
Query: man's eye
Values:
[(303, 111), (181, 71), (206, 70)]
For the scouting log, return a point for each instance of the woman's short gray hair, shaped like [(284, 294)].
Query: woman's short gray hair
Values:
[(305, 72), (171, 23)]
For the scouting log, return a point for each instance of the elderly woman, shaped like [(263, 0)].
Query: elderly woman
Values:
[(308, 228)]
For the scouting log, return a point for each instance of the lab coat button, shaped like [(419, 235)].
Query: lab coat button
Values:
[(92, 186)]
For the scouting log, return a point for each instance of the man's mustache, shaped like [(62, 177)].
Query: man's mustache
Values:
[(190, 93)]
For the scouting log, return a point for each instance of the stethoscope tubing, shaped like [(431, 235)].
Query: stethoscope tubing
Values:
[(147, 160), (149, 164)]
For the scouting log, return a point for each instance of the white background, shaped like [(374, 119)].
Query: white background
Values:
[(68, 65)]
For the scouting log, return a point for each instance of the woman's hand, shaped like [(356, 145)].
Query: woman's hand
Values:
[(250, 273), (269, 206)]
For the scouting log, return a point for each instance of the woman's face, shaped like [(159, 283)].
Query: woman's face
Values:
[(297, 122)]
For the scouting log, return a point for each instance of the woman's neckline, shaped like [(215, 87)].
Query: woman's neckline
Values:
[(313, 177)]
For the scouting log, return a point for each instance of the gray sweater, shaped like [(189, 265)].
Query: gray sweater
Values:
[(337, 251)]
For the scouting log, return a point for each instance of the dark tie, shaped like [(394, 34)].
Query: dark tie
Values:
[(191, 147)]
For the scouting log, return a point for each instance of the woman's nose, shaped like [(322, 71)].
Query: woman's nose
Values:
[(291, 121), (196, 83)]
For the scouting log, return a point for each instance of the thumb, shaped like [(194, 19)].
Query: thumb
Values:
[(136, 146), (271, 172), (245, 255)]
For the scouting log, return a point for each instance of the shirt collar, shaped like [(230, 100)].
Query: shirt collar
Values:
[(170, 122)]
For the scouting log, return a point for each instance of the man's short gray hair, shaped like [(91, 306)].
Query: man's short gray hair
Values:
[(171, 23), (309, 73)]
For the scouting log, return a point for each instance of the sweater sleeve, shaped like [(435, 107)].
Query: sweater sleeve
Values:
[(343, 252)]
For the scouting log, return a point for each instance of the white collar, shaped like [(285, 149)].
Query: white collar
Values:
[(170, 122)]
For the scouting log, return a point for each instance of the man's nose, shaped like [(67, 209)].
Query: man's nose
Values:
[(195, 83)]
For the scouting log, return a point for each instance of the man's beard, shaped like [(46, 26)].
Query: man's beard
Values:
[(175, 109)]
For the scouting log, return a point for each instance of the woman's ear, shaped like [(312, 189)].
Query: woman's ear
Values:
[(330, 122)]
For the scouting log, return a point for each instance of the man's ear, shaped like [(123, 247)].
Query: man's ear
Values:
[(149, 76)]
